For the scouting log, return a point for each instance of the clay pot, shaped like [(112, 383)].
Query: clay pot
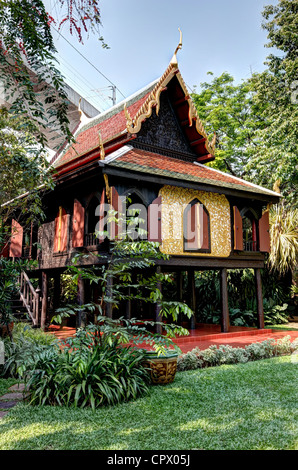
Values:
[(162, 368)]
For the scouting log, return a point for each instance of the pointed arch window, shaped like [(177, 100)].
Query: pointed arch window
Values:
[(246, 228), (249, 227), (134, 214), (196, 228)]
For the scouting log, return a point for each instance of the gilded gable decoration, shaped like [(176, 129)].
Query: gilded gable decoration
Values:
[(134, 124)]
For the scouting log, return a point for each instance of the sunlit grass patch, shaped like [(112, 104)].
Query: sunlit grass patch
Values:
[(244, 406)]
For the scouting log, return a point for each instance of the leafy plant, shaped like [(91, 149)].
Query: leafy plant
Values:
[(284, 239), (22, 350), (93, 369), (241, 294), (9, 272), (88, 376), (226, 354), (127, 273), (275, 314)]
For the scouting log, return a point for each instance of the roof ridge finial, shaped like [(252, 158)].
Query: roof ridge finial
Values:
[(174, 61)]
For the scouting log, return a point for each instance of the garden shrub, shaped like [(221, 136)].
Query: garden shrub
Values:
[(100, 375), (226, 354), (34, 335), (275, 314), (92, 369), (188, 361), (27, 343)]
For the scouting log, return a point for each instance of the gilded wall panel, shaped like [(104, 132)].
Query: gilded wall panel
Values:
[(174, 202)]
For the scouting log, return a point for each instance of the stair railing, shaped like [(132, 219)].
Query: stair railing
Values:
[(31, 298)]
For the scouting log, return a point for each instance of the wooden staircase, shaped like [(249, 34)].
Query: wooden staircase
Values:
[(30, 300)]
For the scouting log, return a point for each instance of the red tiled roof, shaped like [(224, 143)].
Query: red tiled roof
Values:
[(88, 138), (147, 162)]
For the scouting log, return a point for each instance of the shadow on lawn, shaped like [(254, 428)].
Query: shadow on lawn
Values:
[(236, 407)]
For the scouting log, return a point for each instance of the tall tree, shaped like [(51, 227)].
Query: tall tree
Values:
[(32, 83), (256, 121), (276, 95), (228, 110)]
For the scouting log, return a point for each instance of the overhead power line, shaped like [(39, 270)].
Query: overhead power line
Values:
[(87, 60)]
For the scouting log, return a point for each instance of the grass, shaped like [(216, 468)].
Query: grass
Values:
[(283, 327), (5, 384), (245, 406)]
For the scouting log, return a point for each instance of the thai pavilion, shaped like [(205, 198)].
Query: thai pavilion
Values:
[(153, 148)]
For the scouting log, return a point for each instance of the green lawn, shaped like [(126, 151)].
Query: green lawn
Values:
[(5, 384), (244, 406)]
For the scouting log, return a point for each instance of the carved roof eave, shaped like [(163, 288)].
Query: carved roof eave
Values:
[(134, 124)]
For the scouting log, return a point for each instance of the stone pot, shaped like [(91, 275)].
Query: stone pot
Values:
[(162, 368)]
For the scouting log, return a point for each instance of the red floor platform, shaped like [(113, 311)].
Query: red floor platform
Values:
[(206, 335)]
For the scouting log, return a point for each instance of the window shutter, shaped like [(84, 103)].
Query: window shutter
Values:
[(191, 219), (264, 233), (78, 224), (238, 230), (16, 240), (196, 222), (61, 228), (64, 232), (56, 235), (204, 228), (154, 221)]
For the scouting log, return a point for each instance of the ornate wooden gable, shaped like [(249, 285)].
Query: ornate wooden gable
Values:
[(170, 99), (161, 117), (162, 133)]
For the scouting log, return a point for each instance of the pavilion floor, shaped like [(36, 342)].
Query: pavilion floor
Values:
[(206, 335)]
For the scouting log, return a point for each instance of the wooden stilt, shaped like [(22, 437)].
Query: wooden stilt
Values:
[(109, 305), (225, 320), (158, 316), (44, 305), (179, 292), (192, 292), (180, 286), (128, 306), (260, 309), (81, 316), (57, 291)]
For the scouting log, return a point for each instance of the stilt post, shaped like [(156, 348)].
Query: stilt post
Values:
[(44, 305), (109, 291), (81, 317), (225, 320), (192, 292), (158, 316), (260, 309)]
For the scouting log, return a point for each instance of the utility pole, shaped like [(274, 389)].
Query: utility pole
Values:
[(113, 97)]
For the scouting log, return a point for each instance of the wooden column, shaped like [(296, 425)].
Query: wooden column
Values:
[(109, 292), (81, 316), (44, 305), (179, 293), (259, 292), (158, 316), (179, 283), (225, 320), (192, 294), (31, 241), (57, 291), (128, 306)]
